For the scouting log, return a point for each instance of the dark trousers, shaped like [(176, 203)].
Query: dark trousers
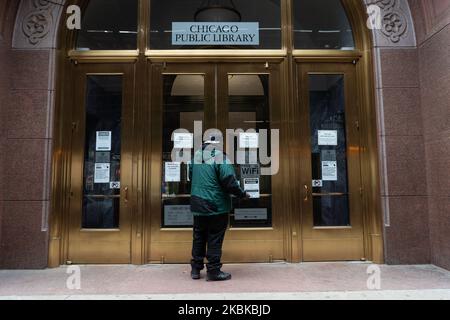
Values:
[(209, 233)]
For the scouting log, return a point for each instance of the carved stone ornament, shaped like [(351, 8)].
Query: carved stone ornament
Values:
[(36, 23), (394, 21)]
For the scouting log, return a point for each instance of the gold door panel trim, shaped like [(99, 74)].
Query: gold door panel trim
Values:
[(96, 254), (234, 251), (337, 249), (215, 53)]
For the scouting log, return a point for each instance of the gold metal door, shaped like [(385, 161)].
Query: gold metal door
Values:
[(101, 158), (249, 99), (181, 94), (189, 90), (332, 213)]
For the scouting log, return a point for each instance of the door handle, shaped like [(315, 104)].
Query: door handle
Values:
[(306, 198), (126, 194)]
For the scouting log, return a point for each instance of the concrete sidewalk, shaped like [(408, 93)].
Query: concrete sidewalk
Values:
[(250, 281)]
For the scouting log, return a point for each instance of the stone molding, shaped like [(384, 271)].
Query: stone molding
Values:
[(397, 27)]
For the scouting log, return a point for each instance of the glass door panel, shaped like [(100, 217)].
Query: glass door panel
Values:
[(183, 105), (101, 199), (328, 150), (249, 110)]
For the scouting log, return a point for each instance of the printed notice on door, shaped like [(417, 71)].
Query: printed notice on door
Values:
[(172, 172), (329, 171), (103, 141), (249, 140), (183, 140), (251, 186), (328, 138), (102, 172)]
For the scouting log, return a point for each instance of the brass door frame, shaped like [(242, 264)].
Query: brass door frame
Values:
[(143, 58), (100, 245), (332, 243), (267, 243)]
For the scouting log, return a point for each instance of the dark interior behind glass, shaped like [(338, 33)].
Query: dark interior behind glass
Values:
[(101, 200), (329, 162), (109, 25), (163, 13), (322, 24)]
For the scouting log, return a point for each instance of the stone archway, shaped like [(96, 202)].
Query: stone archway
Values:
[(35, 42)]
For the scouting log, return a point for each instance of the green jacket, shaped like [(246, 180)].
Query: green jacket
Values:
[(213, 183)]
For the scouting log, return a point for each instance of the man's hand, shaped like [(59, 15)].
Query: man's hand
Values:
[(247, 196)]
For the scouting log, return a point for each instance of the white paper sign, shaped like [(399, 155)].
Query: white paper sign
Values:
[(250, 214), (328, 138), (172, 171), (114, 185), (251, 186), (249, 140), (102, 172), (178, 216), (329, 171), (317, 184), (103, 141), (183, 140)]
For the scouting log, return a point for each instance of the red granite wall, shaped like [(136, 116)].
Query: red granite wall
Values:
[(432, 22), (405, 187), (24, 138), (7, 15)]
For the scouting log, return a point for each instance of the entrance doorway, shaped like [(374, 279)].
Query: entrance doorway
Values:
[(223, 96), (119, 197)]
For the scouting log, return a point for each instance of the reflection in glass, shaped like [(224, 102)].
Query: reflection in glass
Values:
[(249, 108), (329, 150), (217, 11), (183, 104), (266, 12), (322, 24), (101, 196), (109, 25)]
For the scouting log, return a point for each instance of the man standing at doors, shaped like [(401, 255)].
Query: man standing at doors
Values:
[(213, 182)]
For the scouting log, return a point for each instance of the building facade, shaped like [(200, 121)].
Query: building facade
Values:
[(358, 112)]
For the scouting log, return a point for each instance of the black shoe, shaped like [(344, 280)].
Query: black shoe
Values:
[(218, 276), (195, 274)]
